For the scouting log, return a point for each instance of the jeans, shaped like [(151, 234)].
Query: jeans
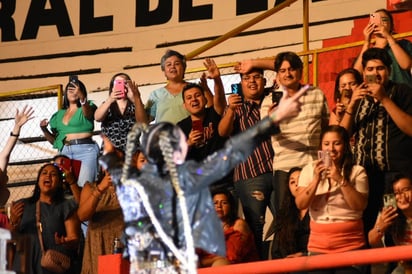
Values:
[(88, 154), (255, 195), (280, 188)]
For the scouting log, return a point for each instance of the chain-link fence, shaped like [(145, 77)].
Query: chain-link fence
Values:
[(31, 150)]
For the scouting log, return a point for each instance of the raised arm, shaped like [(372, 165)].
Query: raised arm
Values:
[(219, 98), (90, 197), (101, 112), (402, 57), (135, 97), (367, 33), (20, 119), (246, 65), (225, 127)]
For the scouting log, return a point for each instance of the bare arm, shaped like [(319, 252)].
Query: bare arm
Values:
[(135, 97), (367, 33), (225, 127), (306, 194), (356, 200), (19, 120), (101, 112), (72, 238), (383, 222), (219, 98), (402, 57), (246, 65), (347, 119), (89, 198)]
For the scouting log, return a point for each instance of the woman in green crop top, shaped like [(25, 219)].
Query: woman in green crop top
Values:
[(72, 129)]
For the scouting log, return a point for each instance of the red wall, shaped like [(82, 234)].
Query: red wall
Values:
[(331, 63)]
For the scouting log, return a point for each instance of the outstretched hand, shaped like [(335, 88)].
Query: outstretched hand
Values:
[(244, 66), (289, 107), (212, 69), (22, 117)]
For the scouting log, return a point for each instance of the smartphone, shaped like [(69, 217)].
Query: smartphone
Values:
[(74, 79), (276, 96), (375, 18), (324, 156), (66, 164), (345, 96), (197, 125), (370, 78), (120, 85), (389, 200), (71, 165), (237, 89)]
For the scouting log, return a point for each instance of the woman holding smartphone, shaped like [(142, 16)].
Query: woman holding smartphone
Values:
[(345, 85), (381, 29), (396, 220), (72, 130), (336, 197), (117, 113)]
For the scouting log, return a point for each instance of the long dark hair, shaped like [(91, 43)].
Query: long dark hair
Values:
[(111, 84), (232, 217), (286, 223), (58, 195), (347, 159), (83, 90)]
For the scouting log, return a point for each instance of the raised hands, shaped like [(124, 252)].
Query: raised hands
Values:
[(212, 69), (23, 116)]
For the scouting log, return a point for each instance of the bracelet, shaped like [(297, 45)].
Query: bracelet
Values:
[(83, 102), (347, 112), (14, 135)]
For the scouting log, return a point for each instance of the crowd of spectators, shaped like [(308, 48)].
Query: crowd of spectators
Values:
[(322, 173)]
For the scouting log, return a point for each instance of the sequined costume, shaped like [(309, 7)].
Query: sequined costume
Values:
[(194, 179)]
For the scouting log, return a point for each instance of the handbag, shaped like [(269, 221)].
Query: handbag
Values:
[(51, 260)]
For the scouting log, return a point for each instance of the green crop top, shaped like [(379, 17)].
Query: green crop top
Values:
[(77, 124)]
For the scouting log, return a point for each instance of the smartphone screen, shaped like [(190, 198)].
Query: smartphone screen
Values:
[(119, 85), (370, 78), (66, 164), (276, 96), (197, 125), (324, 157), (389, 200), (375, 18), (73, 79)]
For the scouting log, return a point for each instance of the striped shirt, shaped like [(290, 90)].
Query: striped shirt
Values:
[(260, 161), (299, 138)]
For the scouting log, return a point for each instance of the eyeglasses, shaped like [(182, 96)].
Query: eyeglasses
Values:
[(403, 191), (255, 77)]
